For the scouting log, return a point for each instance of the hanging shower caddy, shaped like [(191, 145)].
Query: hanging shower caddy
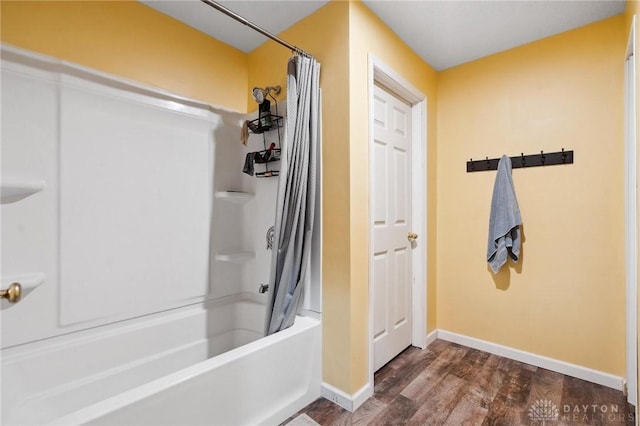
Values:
[(265, 123), (271, 152)]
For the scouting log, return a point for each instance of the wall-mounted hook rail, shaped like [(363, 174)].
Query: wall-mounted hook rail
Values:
[(520, 161)]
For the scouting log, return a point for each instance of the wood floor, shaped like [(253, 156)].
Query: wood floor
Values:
[(449, 384)]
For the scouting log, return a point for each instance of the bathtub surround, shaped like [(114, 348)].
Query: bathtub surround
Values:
[(192, 336), (295, 207), (115, 157)]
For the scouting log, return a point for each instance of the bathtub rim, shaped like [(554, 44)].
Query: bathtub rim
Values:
[(80, 337), (19, 356), (104, 407)]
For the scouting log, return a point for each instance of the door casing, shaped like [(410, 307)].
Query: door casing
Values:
[(631, 211)]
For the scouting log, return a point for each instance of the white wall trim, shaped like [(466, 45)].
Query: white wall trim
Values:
[(352, 402), (419, 194), (631, 211), (125, 87), (385, 75), (573, 370), (431, 337), (343, 399)]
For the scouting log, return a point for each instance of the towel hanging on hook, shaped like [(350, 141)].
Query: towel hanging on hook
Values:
[(504, 221)]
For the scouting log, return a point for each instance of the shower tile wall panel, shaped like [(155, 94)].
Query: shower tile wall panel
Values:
[(29, 147), (260, 213), (242, 227), (226, 238), (122, 227), (135, 206)]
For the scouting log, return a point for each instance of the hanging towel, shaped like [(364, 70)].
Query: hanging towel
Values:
[(248, 163), (244, 133), (505, 220)]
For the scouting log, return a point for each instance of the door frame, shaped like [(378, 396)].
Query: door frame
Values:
[(631, 211), (381, 73)]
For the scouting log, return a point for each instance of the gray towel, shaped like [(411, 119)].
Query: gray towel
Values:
[(505, 220), (248, 163)]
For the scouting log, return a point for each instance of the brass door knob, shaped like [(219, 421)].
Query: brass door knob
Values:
[(412, 237), (12, 293)]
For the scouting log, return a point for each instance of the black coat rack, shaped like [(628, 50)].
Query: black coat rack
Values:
[(520, 161)]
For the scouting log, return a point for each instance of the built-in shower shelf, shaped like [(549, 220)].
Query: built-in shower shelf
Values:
[(236, 257), (234, 196), (15, 189), (28, 282)]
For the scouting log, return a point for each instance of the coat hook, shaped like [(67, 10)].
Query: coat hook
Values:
[(564, 156), (488, 163), (542, 157), (522, 160), (471, 161)]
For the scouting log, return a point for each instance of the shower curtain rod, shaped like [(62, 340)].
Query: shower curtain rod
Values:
[(253, 26)]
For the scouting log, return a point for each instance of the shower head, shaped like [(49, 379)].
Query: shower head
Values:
[(258, 94)]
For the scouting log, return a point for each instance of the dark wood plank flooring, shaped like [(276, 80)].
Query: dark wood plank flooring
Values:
[(449, 384)]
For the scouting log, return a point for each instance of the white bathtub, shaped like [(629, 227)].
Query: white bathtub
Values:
[(199, 365)]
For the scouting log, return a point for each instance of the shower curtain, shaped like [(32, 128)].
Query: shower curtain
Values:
[(296, 194)]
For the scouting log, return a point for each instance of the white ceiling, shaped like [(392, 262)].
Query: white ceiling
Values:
[(273, 16), (444, 33), (449, 33)]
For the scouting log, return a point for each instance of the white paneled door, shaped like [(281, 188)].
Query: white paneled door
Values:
[(391, 222)]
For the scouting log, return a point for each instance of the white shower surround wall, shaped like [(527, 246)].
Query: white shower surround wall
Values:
[(183, 357)]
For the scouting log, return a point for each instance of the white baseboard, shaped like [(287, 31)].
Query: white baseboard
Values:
[(352, 402), (431, 337), (343, 399), (584, 373)]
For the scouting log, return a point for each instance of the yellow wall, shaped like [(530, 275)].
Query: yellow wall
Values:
[(131, 40), (341, 35), (325, 35), (369, 35), (566, 297)]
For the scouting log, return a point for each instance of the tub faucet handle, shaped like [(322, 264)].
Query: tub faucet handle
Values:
[(263, 288)]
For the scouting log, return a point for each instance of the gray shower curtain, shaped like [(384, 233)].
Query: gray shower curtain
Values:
[(296, 194)]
